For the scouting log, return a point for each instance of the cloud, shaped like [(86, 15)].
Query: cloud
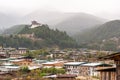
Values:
[(89, 6)]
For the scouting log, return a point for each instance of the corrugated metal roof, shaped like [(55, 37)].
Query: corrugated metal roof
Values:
[(95, 64), (74, 63)]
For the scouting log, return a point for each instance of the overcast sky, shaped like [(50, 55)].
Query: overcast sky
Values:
[(102, 8)]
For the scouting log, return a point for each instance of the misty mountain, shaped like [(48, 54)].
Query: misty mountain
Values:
[(70, 22), (47, 17), (79, 22), (14, 29), (103, 32), (7, 20)]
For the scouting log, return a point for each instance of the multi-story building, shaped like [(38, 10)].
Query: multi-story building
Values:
[(108, 73), (25, 61), (56, 64), (89, 69), (83, 68), (73, 67)]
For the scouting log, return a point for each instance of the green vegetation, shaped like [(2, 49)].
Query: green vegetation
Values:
[(38, 74), (50, 37), (27, 74), (24, 70), (100, 37), (110, 46), (53, 70), (43, 37), (29, 54), (15, 29), (38, 54), (15, 41), (99, 33)]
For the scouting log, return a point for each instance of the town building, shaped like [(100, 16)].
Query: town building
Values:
[(24, 61), (14, 54), (108, 73), (73, 67), (89, 69), (8, 67), (84, 68), (58, 54), (116, 58), (22, 50), (35, 24), (62, 77), (56, 64)]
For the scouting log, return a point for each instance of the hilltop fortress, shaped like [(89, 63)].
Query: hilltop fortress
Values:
[(35, 24)]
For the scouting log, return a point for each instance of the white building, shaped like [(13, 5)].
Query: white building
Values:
[(73, 67), (83, 68), (35, 24), (8, 67)]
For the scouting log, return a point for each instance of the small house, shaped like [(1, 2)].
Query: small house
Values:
[(116, 58), (108, 73)]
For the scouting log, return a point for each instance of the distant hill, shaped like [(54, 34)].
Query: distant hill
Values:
[(69, 22), (47, 17), (7, 20), (108, 32), (14, 30), (104, 31), (79, 22), (38, 37), (72, 23)]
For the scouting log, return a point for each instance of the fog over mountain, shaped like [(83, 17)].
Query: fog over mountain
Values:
[(70, 22), (47, 17), (79, 22), (72, 16), (17, 10), (7, 20), (106, 31)]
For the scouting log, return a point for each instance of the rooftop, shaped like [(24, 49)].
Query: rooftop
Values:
[(54, 62), (74, 63), (12, 67), (7, 64), (106, 69), (16, 60), (67, 76), (96, 64), (33, 67), (114, 56)]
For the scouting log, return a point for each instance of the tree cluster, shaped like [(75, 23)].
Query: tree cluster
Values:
[(50, 38)]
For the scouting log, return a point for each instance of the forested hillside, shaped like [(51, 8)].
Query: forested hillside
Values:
[(106, 36), (14, 29), (43, 36)]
